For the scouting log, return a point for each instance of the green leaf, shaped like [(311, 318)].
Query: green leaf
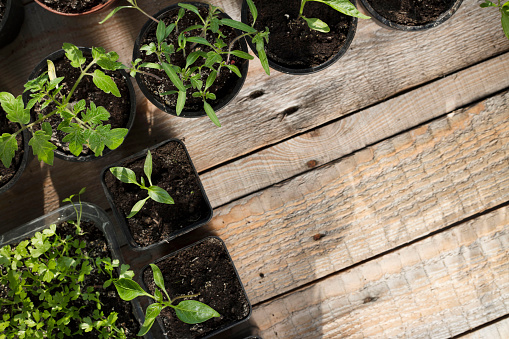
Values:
[(147, 167), (160, 31), (235, 70), (252, 9), (52, 74), (199, 40), (8, 148), (317, 25), (160, 195), (210, 112), (260, 49), (173, 76), (42, 147), (181, 102), (193, 56), (79, 106), (153, 311), (158, 277), (116, 137), (74, 55), (128, 289), (137, 207), (123, 174), (150, 49), (190, 8), (14, 108), (76, 138), (505, 23), (242, 54), (211, 96), (95, 115), (238, 25), (105, 83), (194, 312), (210, 79), (345, 7), (169, 93), (169, 29), (110, 14)]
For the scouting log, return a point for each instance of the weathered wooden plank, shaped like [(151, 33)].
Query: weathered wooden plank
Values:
[(370, 202), (439, 287), (498, 330)]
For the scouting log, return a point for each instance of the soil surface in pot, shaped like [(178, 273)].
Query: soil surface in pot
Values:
[(72, 6), (292, 43), (7, 126), (225, 81), (119, 108), (96, 246), (173, 172), (411, 12), (3, 7), (204, 268)]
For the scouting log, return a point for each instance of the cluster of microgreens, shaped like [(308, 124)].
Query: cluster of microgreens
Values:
[(83, 126), (155, 193), (504, 11), (342, 6), (188, 311), (45, 276), (206, 59)]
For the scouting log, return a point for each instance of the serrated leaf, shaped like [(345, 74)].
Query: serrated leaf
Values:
[(210, 112), (116, 137), (105, 83), (95, 115), (238, 25), (160, 195), (76, 138), (42, 147), (137, 207), (46, 127), (8, 148), (153, 311), (194, 312), (317, 25), (74, 55), (124, 174), (128, 289), (14, 108), (79, 106)]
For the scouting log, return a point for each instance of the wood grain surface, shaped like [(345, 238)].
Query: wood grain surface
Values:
[(497, 330)]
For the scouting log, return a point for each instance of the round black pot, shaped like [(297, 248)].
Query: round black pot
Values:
[(11, 22), (217, 104), (205, 215), (23, 164), (387, 23), (308, 70), (95, 9), (215, 273), (42, 67)]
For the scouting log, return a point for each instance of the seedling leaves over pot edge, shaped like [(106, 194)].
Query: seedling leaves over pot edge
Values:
[(342, 6), (504, 11), (82, 125), (206, 59), (155, 193), (188, 311)]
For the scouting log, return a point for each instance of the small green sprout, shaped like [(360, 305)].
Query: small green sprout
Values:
[(188, 311), (155, 193), (504, 11), (342, 6)]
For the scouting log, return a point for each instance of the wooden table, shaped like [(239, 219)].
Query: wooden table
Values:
[(369, 200)]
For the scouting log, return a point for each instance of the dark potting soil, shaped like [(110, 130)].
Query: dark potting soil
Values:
[(72, 6), (119, 108), (225, 81), (292, 43), (7, 126), (96, 246), (411, 12), (173, 172), (3, 4), (206, 269)]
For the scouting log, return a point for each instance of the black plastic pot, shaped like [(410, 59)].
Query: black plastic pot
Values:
[(234, 280), (42, 67), (387, 23), (206, 214), (302, 71), (11, 22), (22, 166), (219, 103)]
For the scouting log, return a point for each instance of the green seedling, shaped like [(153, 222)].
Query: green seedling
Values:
[(204, 58), (188, 311), (44, 279), (155, 193), (504, 11), (83, 126), (342, 6)]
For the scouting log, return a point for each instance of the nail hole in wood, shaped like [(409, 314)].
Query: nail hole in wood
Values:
[(256, 94)]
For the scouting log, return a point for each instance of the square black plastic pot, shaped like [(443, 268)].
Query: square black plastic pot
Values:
[(212, 275), (205, 216)]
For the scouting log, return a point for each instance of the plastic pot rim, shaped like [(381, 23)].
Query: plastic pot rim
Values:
[(94, 9)]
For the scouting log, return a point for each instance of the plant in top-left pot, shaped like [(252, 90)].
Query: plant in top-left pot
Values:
[(75, 106), (74, 7)]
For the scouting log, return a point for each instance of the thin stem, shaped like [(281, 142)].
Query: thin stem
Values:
[(185, 296), (231, 45)]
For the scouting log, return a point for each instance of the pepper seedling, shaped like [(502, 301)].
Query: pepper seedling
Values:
[(155, 193), (205, 60), (188, 311), (504, 11), (83, 126), (342, 6)]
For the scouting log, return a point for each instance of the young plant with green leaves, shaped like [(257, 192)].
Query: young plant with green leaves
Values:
[(155, 193), (205, 58), (188, 311), (342, 6), (82, 122), (504, 11), (44, 287)]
